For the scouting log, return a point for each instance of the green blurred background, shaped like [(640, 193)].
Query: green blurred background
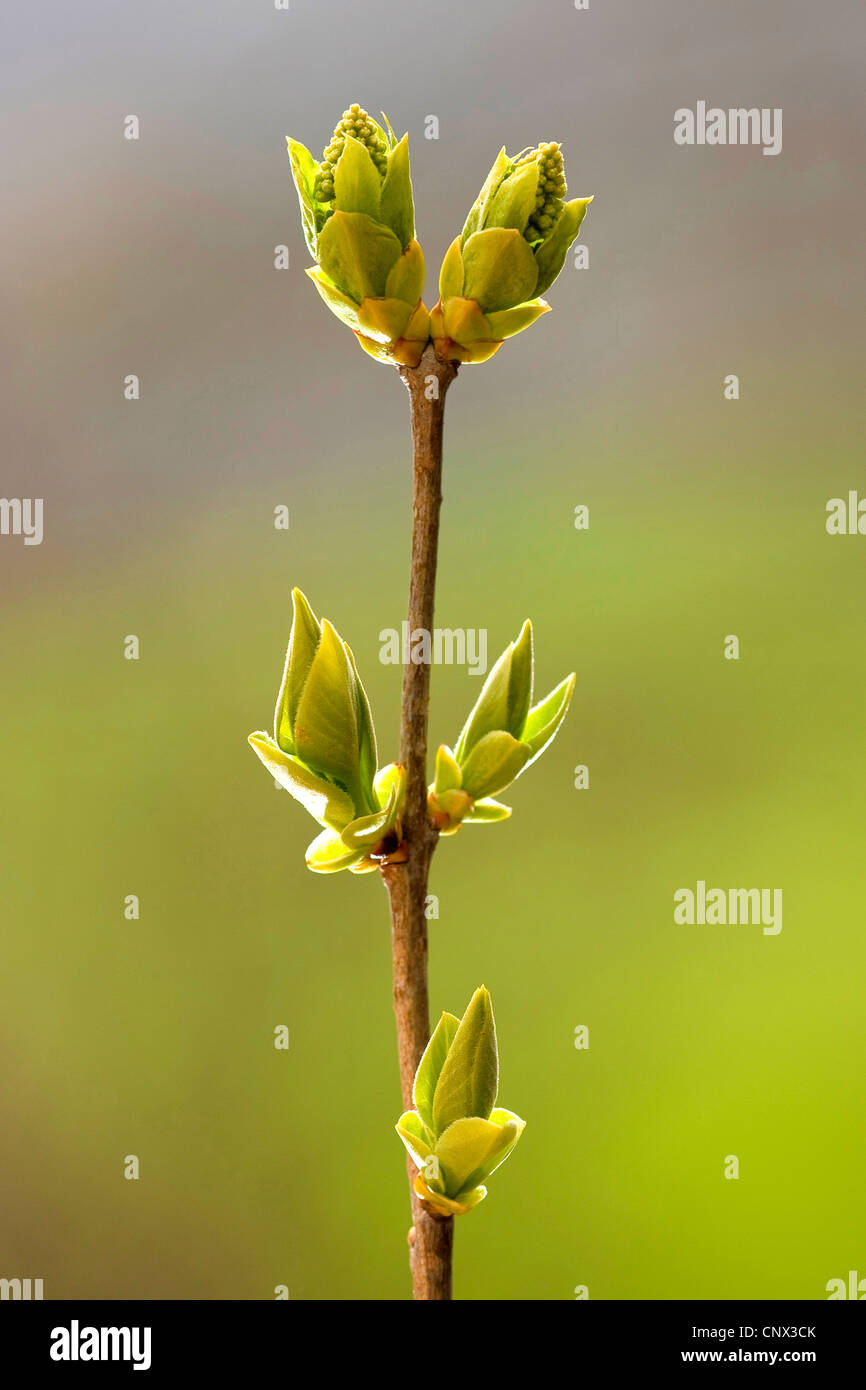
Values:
[(155, 1037)]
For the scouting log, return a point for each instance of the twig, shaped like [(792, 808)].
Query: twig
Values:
[(430, 1240)]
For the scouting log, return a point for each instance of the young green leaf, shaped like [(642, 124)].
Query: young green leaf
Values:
[(544, 720), (328, 854), (356, 180), (500, 269), (388, 777), (505, 696), (357, 254), (412, 1131), (346, 309), (514, 200), (451, 271), (448, 776), (406, 277), (305, 170), (397, 209), (382, 320), (304, 638), (502, 166), (326, 720), (470, 1149), (368, 756), (521, 681), (469, 1080), (493, 764), (490, 711), (326, 803), (487, 811), (367, 831), (507, 322), (551, 255), (430, 1066)]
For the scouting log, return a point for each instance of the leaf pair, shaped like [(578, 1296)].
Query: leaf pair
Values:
[(504, 734), (323, 750)]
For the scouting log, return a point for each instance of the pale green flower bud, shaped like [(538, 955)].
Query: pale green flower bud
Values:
[(512, 247), (359, 224)]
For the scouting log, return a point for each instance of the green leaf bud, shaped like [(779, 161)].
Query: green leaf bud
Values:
[(503, 735), (456, 1135), (448, 810), (324, 750)]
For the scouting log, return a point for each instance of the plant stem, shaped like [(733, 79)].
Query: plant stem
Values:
[(430, 1240)]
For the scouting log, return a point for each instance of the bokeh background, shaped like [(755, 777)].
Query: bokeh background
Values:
[(154, 1037)]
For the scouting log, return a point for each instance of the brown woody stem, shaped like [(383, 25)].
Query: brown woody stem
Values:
[(431, 1237)]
